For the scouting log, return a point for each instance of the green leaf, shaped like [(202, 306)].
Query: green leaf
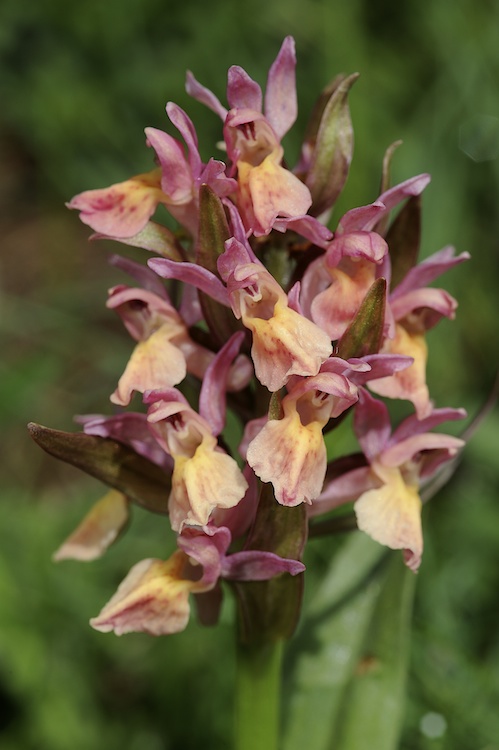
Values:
[(364, 334), (373, 707), (333, 149), (113, 463), (351, 654), (404, 238), (213, 232)]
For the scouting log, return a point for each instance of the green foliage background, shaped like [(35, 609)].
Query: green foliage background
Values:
[(78, 83)]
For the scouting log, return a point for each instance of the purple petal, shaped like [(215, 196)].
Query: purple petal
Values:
[(361, 219), (145, 276), (255, 565), (412, 425), (405, 450), (435, 302), (176, 178), (307, 226), (212, 399), (191, 273), (341, 490), (185, 126), (204, 95), (371, 424), (412, 186), (190, 308), (242, 91), (382, 365), (281, 106), (366, 245), (428, 270), (240, 517)]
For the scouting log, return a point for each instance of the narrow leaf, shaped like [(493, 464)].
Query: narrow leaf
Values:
[(365, 332), (403, 238), (113, 463), (352, 654), (373, 707), (329, 644), (333, 150)]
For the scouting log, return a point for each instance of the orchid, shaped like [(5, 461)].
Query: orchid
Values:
[(256, 319)]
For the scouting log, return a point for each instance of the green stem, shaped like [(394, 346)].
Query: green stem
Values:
[(257, 700)]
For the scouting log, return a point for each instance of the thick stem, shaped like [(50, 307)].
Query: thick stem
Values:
[(257, 700)]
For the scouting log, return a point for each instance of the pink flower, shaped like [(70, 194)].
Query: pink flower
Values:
[(154, 597), (290, 452), (415, 309), (386, 492), (285, 343), (165, 352), (123, 210), (266, 190), (204, 476)]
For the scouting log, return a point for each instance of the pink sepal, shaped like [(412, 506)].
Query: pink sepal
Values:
[(240, 518), (185, 126), (341, 490), (242, 91), (371, 424), (361, 219), (176, 176), (367, 245), (144, 276), (212, 399), (190, 308), (411, 187), (381, 365), (255, 565), (191, 273), (424, 273), (281, 106), (414, 426), (236, 254), (204, 95), (307, 226), (251, 430), (405, 450), (428, 304), (137, 307)]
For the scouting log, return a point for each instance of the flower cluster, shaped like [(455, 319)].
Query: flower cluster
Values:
[(267, 313)]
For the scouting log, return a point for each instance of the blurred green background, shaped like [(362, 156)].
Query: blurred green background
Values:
[(78, 83)]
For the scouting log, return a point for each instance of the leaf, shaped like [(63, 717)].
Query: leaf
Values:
[(364, 334), (348, 672), (403, 238), (329, 643), (333, 149), (373, 707), (113, 463)]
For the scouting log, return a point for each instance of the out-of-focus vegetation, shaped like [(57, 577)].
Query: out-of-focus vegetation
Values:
[(78, 83)]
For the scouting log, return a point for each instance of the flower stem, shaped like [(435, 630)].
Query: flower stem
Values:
[(257, 700)]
